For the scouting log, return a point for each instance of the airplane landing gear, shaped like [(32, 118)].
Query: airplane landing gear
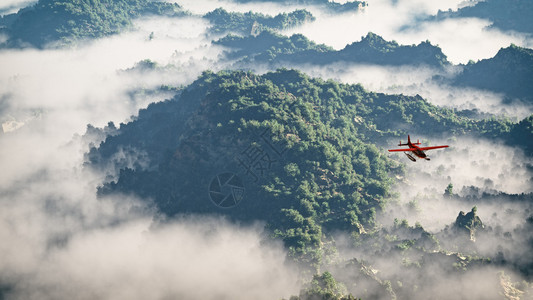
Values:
[(410, 156)]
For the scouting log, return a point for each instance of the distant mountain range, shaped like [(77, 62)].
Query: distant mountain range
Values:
[(510, 72), (332, 6), (61, 22), (270, 47), (512, 15)]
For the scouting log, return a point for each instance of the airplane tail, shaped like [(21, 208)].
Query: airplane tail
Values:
[(409, 142)]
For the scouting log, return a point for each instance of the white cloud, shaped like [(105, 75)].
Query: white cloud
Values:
[(190, 259), (85, 79), (417, 80), (12, 6), (50, 95), (463, 39), (383, 17)]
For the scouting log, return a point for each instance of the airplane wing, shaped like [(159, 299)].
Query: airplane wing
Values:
[(402, 150), (433, 147)]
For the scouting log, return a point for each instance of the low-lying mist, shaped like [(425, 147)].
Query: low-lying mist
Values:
[(60, 240), (486, 166), (461, 40), (419, 80), (84, 81), (491, 262)]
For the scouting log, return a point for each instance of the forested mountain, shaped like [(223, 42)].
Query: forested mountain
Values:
[(505, 15), (509, 72), (296, 152), (269, 47), (376, 50), (301, 158), (253, 23), (65, 21)]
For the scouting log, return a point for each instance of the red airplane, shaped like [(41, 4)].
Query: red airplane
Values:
[(418, 151)]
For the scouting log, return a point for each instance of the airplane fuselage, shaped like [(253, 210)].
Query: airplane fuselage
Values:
[(418, 152)]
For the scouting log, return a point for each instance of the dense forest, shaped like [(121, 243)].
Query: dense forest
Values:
[(253, 23)]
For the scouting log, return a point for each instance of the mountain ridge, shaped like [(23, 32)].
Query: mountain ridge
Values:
[(509, 72), (272, 48)]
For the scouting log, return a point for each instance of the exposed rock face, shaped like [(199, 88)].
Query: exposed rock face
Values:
[(468, 223)]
